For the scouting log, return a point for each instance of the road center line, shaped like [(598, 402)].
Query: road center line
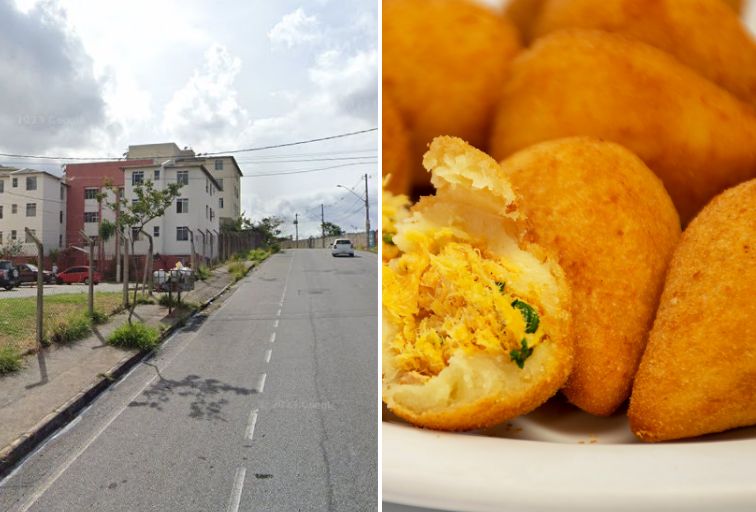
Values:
[(261, 383), (279, 312), (273, 337), (267, 355), (275, 324), (235, 498), (251, 425)]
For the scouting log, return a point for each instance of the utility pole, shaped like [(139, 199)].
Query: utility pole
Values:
[(322, 224), (296, 228), (367, 215)]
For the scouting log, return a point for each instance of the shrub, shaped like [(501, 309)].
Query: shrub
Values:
[(137, 336), (168, 301), (10, 359), (202, 273), (142, 299), (72, 329), (237, 269), (98, 317), (258, 255)]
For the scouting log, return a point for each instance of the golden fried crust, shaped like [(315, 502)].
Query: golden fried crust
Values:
[(524, 14), (614, 227), (695, 136), (395, 149), (443, 63), (698, 374), (703, 34), (735, 5)]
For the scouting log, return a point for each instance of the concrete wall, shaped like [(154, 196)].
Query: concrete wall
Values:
[(358, 240)]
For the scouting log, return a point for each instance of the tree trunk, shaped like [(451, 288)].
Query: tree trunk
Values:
[(136, 282), (147, 279), (125, 272)]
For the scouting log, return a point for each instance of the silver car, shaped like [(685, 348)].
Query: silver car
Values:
[(342, 246)]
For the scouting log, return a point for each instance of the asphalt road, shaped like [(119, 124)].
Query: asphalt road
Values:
[(269, 403)]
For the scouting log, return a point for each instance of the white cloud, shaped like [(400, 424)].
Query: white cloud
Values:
[(205, 111), (295, 28), (350, 80)]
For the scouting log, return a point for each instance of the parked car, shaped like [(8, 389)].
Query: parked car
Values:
[(8, 275), (77, 275), (342, 246), (28, 274)]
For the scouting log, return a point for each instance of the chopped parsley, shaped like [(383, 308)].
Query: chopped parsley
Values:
[(519, 355), (388, 238), (529, 314)]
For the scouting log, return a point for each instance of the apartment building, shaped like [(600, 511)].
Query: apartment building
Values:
[(36, 200), (191, 220), (224, 169)]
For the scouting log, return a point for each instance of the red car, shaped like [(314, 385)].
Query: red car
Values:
[(77, 275)]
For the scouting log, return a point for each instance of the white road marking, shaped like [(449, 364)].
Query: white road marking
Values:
[(235, 498), (279, 312), (267, 355), (251, 425), (273, 338), (275, 324), (261, 383)]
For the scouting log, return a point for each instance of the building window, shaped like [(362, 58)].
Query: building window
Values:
[(14, 209), (60, 240), (156, 231), (137, 178), (219, 165), (182, 205), (1, 237), (90, 193), (207, 212), (61, 217), (13, 234), (207, 186), (212, 215), (220, 184), (90, 217), (121, 192), (156, 174), (182, 177), (31, 209), (62, 192), (220, 202), (2, 186), (31, 183), (29, 239), (1, 212), (182, 233), (15, 182)]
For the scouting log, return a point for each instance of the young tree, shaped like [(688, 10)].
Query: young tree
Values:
[(11, 249), (150, 204), (331, 229), (269, 227)]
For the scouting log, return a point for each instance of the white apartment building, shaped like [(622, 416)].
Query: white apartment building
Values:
[(224, 169), (193, 216), (36, 200)]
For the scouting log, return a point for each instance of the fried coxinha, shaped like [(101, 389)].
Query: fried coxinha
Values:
[(475, 317)]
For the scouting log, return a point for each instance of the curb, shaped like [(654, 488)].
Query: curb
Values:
[(19, 448)]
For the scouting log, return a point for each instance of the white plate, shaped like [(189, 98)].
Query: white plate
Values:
[(558, 458)]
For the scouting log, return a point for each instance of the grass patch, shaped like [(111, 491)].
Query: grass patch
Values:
[(18, 315), (258, 255), (70, 329), (237, 269), (98, 317), (10, 359), (137, 336), (202, 273)]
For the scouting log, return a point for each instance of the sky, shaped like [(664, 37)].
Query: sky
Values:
[(87, 79)]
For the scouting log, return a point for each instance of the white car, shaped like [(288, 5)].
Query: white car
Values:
[(342, 246)]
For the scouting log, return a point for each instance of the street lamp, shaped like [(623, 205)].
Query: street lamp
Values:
[(367, 209)]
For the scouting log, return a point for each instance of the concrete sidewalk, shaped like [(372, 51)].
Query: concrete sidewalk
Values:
[(61, 379)]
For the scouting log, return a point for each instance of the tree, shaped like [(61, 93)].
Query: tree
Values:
[(11, 249), (331, 229), (150, 203), (269, 228), (239, 224)]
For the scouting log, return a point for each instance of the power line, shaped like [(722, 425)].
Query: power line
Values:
[(198, 155)]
